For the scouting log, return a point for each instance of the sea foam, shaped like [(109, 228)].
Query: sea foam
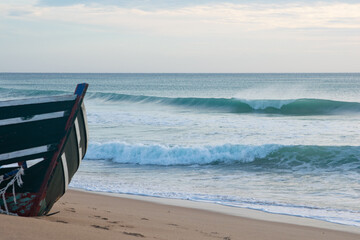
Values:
[(270, 156), (176, 155)]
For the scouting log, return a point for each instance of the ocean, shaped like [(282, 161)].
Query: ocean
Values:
[(279, 143)]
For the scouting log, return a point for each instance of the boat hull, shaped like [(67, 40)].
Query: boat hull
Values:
[(56, 138)]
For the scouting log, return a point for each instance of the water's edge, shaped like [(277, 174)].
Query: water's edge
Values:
[(233, 211)]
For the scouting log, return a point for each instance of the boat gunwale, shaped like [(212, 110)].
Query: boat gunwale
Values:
[(37, 100)]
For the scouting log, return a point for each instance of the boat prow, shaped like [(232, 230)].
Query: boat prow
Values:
[(42, 142)]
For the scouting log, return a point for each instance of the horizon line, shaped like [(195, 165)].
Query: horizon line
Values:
[(179, 72)]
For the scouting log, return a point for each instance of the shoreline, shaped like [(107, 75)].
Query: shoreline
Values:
[(235, 211), (88, 215)]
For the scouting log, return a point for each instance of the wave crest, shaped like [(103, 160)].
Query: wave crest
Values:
[(303, 106), (264, 156)]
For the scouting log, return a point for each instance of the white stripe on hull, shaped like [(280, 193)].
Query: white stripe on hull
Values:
[(23, 153), (65, 170), (86, 125), (78, 138), (39, 117), (11, 103)]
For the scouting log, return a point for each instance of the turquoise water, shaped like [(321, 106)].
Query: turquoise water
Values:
[(281, 143)]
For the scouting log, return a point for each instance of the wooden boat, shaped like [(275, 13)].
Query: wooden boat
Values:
[(42, 142)]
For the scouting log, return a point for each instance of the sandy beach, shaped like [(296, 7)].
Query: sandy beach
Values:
[(85, 215)]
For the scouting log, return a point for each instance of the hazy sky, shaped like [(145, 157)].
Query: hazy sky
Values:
[(179, 36)]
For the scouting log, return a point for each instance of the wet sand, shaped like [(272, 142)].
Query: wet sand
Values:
[(85, 215)]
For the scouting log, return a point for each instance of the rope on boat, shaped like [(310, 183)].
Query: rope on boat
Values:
[(15, 179)]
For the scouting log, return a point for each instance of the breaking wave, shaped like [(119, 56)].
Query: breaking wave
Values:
[(305, 106), (297, 157)]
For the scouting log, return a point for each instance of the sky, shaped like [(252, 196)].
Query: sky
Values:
[(167, 36)]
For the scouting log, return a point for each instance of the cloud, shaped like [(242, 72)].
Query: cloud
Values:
[(18, 13), (156, 4), (210, 35), (190, 20), (140, 4)]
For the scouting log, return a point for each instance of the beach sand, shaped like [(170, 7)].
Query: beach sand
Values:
[(85, 215)]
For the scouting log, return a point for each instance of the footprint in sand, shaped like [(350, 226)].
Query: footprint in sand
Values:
[(70, 210), (126, 226), (113, 222), (61, 221), (102, 218), (134, 234), (173, 224), (101, 227)]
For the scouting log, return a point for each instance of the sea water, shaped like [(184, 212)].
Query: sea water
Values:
[(280, 143)]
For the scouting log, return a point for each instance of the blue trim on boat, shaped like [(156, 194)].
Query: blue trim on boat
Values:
[(80, 89)]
